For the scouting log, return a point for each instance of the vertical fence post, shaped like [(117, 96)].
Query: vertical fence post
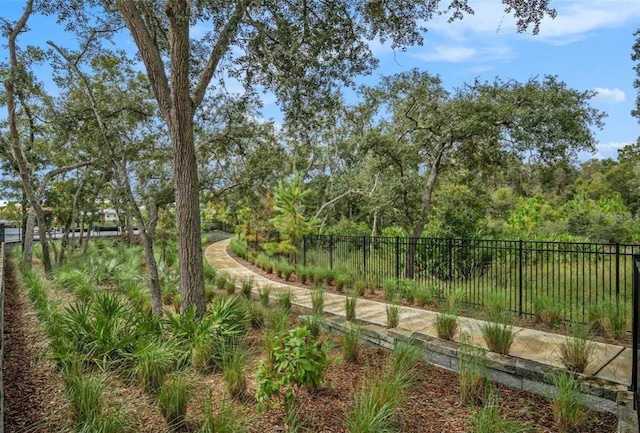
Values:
[(520, 277), (2, 232), (364, 256), (397, 257), (617, 274), (636, 330), (304, 250), (450, 250), (330, 251)]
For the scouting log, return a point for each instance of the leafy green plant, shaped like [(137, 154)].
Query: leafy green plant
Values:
[(297, 360), (393, 315), (350, 302), (317, 300), (350, 344), (615, 319), (576, 351), (474, 387), (173, 399), (569, 411)]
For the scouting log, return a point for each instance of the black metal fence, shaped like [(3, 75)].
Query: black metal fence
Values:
[(577, 276), (635, 350)]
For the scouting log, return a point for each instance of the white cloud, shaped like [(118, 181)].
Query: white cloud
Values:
[(609, 95), (460, 53), (605, 150)]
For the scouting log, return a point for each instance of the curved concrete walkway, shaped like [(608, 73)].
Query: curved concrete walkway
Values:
[(610, 362)]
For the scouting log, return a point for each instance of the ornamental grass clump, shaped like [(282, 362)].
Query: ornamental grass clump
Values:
[(264, 294), (317, 300), (569, 410), (472, 364), (233, 370), (615, 319), (447, 319), (497, 332), (173, 399), (548, 310), (576, 351), (350, 302), (350, 344), (285, 300), (393, 315)]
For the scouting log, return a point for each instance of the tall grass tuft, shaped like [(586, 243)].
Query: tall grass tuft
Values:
[(85, 396), (285, 300), (247, 285), (350, 344), (472, 363), (487, 419), (152, 361), (548, 311), (233, 370), (569, 411), (350, 302), (317, 300), (576, 351), (498, 333), (615, 320), (264, 294), (447, 319), (173, 399), (393, 315), (225, 421)]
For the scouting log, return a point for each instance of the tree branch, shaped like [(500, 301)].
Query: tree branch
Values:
[(221, 47)]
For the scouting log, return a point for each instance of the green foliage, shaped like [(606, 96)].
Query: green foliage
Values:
[(350, 302), (247, 286), (569, 411), (233, 370), (210, 273), (393, 315), (487, 419), (264, 294), (85, 396), (173, 399), (297, 360), (350, 344), (285, 300), (548, 311), (225, 421), (576, 351), (290, 220), (472, 362), (152, 361), (317, 300), (303, 273), (615, 319)]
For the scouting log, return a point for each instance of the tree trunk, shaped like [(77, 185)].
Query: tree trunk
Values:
[(185, 167), (434, 172), (27, 252)]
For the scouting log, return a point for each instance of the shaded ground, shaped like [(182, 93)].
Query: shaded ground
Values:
[(33, 392)]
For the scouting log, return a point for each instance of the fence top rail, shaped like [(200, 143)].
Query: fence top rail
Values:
[(622, 247)]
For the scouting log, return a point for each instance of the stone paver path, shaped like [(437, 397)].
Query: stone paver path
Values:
[(611, 362)]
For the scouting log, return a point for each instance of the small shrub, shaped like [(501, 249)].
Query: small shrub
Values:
[(317, 300), (393, 315), (343, 281), (350, 344), (303, 274), (498, 336), (264, 294), (615, 320), (297, 360), (446, 326), (329, 276), (287, 271), (318, 275), (390, 289), (576, 351), (173, 399), (350, 307), (422, 293), (569, 411)]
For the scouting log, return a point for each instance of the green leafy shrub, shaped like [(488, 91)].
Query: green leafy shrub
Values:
[(297, 360)]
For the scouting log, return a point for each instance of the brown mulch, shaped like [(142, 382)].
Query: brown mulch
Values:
[(34, 400)]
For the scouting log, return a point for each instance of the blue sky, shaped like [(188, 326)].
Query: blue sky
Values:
[(588, 45)]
